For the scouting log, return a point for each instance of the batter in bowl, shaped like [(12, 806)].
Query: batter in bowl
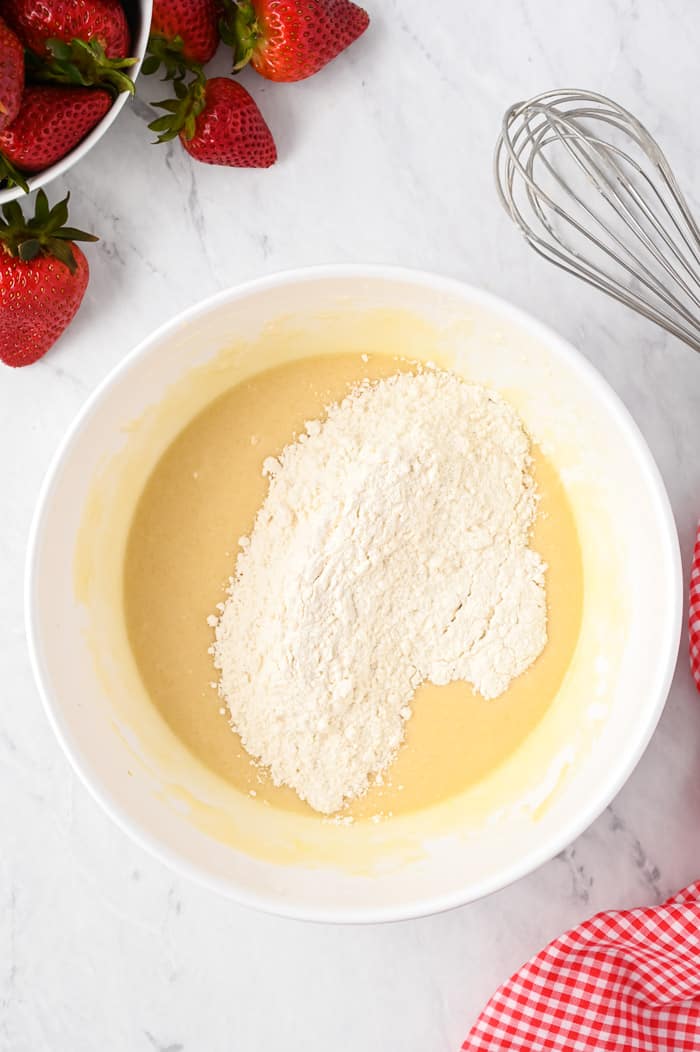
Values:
[(204, 494)]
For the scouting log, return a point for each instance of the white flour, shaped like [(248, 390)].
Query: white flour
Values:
[(392, 548)]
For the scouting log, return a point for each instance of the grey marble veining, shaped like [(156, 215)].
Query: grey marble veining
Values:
[(385, 156)]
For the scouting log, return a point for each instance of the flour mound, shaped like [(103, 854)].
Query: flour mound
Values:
[(392, 548)]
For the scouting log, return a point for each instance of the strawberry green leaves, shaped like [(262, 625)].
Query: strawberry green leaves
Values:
[(181, 112), (10, 176), (82, 63), (46, 233)]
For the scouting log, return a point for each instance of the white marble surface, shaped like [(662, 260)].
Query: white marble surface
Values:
[(386, 156)]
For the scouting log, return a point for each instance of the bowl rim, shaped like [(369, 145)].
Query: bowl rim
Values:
[(611, 781), (54, 171)]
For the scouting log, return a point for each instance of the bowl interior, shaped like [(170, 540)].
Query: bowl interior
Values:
[(560, 778), (138, 13)]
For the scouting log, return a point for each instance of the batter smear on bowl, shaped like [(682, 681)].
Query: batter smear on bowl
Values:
[(392, 548)]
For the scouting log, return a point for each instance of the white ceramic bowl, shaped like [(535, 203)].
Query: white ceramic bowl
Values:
[(138, 13), (566, 771)]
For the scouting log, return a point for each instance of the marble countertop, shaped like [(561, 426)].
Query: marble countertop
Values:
[(384, 157)]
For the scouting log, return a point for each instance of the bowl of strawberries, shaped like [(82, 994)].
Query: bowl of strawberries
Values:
[(66, 69)]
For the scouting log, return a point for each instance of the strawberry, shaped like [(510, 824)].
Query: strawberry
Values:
[(11, 74), (290, 39), (218, 123), (51, 121), (37, 21), (182, 30), (43, 277)]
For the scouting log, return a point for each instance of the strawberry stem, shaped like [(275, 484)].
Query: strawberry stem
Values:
[(169, 55), (181, 112), (45, 233), (239, 29)]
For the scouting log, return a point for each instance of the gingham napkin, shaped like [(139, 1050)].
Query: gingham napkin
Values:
[(694, 614), (625, 981), (622, 981)]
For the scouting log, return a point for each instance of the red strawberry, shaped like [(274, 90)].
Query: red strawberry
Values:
[(51, 121), (186, 28), (11, 74), (36, 21), (43, 277), (290, 39), (218, 123)]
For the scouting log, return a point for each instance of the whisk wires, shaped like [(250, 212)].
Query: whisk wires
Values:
[(592, 191)]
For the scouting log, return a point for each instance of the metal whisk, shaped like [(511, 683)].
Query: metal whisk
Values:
[(636, 238)]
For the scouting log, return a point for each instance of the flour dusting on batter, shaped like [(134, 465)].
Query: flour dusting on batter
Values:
[(392, 548)]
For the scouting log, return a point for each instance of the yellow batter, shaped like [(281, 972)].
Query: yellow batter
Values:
[(204, 494)]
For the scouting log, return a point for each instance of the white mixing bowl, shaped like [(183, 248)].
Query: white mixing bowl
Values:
[(564, 773)]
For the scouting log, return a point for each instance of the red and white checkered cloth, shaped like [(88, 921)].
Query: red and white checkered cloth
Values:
[(626, 981), (694, 614)]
